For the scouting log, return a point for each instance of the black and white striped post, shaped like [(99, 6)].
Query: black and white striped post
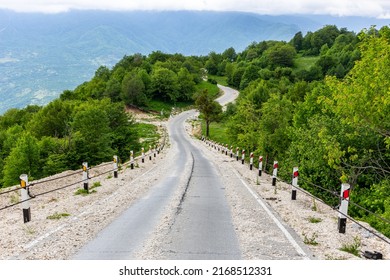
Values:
[(131, 159), (275, 173), (260, 165), (115, 160), (251, 161), (150, 152), (85, 176), (25, 198), (231, 151), (243, 156), (222, 148), (143, 155), (343, 209), (294, 183), (237, 151), (226, 149), (155, 150)]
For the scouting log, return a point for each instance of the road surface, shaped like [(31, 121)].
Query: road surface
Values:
[(202, 227)]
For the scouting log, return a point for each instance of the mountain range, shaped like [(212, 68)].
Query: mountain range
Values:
[(43, 54)]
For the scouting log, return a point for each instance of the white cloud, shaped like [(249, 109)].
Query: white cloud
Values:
[(374, 8)]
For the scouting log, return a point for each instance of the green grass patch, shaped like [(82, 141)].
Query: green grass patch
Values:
[(212, 89), (165, 107), (222, 80), (218, 132), (314, 220), (352, 248), (148, 135), (57, 216), (305, 62)]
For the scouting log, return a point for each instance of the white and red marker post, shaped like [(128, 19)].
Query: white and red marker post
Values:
[(294, 183), (260, 165), (243, 156), (115, 161), (275, 173), (132, 159), (85, 176), (251, 161), (25, 198), (343, 209)]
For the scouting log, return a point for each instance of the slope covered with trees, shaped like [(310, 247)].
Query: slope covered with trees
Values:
[(330, 116), (320, 102)]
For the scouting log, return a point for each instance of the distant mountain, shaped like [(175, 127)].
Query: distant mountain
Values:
[(43, 54)]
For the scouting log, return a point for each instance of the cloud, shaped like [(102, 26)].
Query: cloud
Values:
[(373, 8)]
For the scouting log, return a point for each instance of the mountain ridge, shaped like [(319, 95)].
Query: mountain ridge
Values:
[(43, 54)]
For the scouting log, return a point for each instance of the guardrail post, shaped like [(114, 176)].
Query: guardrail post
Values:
[(131, 159), (25, 198), (85, 176), (243, 156), (275, 173), (260, 165), (294, 183), (237, 149), (115, 166), (143, 155), (344, 196), (251, 161)]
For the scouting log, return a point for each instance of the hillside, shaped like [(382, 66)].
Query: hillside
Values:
[(43, 54)]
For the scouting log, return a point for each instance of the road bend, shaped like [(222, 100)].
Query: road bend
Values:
[(203, 228)]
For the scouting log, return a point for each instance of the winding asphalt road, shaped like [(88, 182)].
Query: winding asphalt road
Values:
[(202, 228)]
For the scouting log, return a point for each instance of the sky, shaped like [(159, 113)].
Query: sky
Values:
[(368, 8)]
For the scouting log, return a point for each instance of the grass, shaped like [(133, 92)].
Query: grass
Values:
[(212, 89), (57, 216), (218, 132), (352, 248), (220, 80), (314, 220), (305, 62), (310, 240)]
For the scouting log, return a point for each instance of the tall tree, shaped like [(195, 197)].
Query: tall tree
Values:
[(210, 109)]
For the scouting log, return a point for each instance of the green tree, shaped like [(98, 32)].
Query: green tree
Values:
[(164, 84), (133, 90), (23, 159), (209, 109), (186, 84)]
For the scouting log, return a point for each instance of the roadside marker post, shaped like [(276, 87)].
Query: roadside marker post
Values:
[(231, 151), (25, 196), (237, 150), (115, 160), (251, 161), (260, 165), (243, 156), (294, 183), (155, 150), (226, 149), (150, 152), (275, 173), (343, 209), (143, 155), (131, 159), (85, 176)]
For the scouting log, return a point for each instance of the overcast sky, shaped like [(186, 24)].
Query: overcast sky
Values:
[(371, 8)]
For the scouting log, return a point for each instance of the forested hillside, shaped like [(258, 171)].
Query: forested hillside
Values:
[(90, 123), (320, 102)]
